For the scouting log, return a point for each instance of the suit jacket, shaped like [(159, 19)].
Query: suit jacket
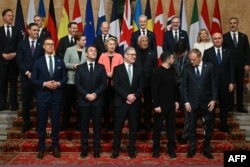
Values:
[(7, 46), (240, 53), (151, 40), (25, 59), (224, 72), (40, 74), (99, 44), (71, 57), (63, 44), (169, 42), (149, 65), (44, 34), (199, 92), (123, 88), (85, 84)]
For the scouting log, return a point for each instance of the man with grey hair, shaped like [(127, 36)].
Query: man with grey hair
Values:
[(147, 61), (128, 86), (142, 30)]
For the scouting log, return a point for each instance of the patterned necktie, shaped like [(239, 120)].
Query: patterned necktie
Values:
[(143, 32), (50, 66), (235, 40), (218, 56), (8, 33), (32, 47)]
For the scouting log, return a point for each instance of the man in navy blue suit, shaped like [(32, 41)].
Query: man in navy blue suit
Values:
[(49, 75), (199, 94), (90, 83), (175, 35), (28, 51)]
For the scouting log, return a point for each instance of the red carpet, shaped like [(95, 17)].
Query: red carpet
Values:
[(142, 159), (21, 149)]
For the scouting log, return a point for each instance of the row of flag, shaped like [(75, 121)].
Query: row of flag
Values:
[(128, 25)]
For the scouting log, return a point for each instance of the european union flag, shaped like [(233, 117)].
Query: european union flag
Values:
[(89, 29)]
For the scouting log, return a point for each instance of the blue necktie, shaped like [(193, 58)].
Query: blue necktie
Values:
[(218, 56)]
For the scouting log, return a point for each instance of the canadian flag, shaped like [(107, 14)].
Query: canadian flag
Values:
[(216, 22), (159, 27), (77, 16)]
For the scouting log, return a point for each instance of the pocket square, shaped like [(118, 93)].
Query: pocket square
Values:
[(182, 37), (59, 67)]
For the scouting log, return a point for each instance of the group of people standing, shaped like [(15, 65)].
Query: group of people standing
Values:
[(98, 82)]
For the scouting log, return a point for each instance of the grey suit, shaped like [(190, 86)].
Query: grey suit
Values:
[(70, 58)]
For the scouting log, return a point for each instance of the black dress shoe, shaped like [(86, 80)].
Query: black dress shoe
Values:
[(56, 153), (40, 155), (13, 108), (243, 110), (182, 141), (190, 154), (115, 154), (96, 154), (172, 154), (156, 154), (131, 154), (26, 128), (208, 155), (84, 154), (225, 130)]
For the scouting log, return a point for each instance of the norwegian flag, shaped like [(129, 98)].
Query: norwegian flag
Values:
[(127, 28), (159, 27)]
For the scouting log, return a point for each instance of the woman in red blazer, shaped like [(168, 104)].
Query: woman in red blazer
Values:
[(109, 59)]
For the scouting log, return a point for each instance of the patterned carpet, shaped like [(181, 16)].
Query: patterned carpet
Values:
[(142, 159)]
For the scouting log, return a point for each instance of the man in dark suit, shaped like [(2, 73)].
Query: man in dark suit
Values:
[(68, 40), (143, 31), (172, 37), (43, 32), (49, 75), (180, 61), (90, 83), (199, 94), (238, 43), (128, 86), (146, 60), (221, 59), (99, 40), (9, 38), (28, 51)]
